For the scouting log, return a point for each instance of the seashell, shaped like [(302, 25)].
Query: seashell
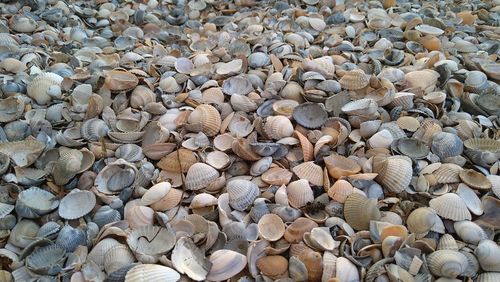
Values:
[(488, 277), (138, 216), (492, 70), (151, 273), (105, 215), (339, 166), (129, 152), (48, 260), (469, 232), (70, 238), (177, 161), (495, 181), (242, 193), (225, 264), (297, 269), (205, 118), (190, 260), (117, 257), (310, 115), (258, 60), (421, 220), (278, 127), (200, 175), (488, 254), (446, 145), (76, 204), (119, 80), (450, 206), (238, 85), (35, 202), (447, 173), (11, 108), (172, 199), (93, 129), (475, 179), (354, 80), (295, 231), (413, 148), (394, 173), (360, 107), (299, 193), (470, 198), (4, 163), (475, 81), (148, 243), (447, 263), (340, 190), (359, 210), (309, 171), (430, 30), (273, 266), (313, 263), (155, 193), (321, 239), (261, 166), (271, 227), (115, 177), (22, 153), (381, 139)]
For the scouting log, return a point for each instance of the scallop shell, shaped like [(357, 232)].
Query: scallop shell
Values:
[(421, 220), (44, 87), (450, 206), (488, 255), (190, 260), (340, 190), (394, 173), (93, 129), (105, 215), (148, 243), (70, 238), (48, 260), (299, 193), (447, 173), (242, 193), (35, 202), (278, 127), (151, 273), (23, 153), (495, 181), (446, 145), (225, 264), (359, 210), (76, 204), (129, 152), (354, 80), (273, 266), (447, 263), (309, 171), (200, 175), (310, 115), (117, 257), (271, 227), (205, 118), (155, 193)]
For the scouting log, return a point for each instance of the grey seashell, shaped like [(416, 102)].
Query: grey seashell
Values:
[(446, 145), (265, 149), (47, 260), (329, 86), (476, 82), (258, 60), (261, 166), (115, 177), (129, 152), (35, 202), (259, 209), (17, 130), (310, 115), (145, 174), (77, 204), (49, 230), (242, 193), (93, 129), (288, 214), (124, 42), (413, 148), (119, 275), (69, 238), (237, 85), (105, 215), (23, 233), (8, 222), (237, 245), (148, 243)]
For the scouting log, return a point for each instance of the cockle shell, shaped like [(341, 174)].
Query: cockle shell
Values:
[(200, 176), (242, 193), (35, 202), (488, 254), (394, 173), (339, 166), (309, 171), (117, 257), (469, 232), (225, 264), (446, 145), (205, 118), (151, 273), (360, 107), (278, 127), (450, 206), (148, 243), (271, 227), (340, 190), (310, 115), (421, 220), (299, 193), (359, 210), (272, 266), (295, 231), (76, 204), (155, 193), (354, 80), (48, 260), (115, 177), (44, 87), (11, 109), (447, 263)]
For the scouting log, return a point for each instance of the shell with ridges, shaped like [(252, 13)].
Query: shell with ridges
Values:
[(359, 210), (278, 127), (394, 173), (309, 171), (299, 193), (242, 193), (76, 204), (205, 118), (151, 273), (447, 263), (450, 206), (44, 87), (488, 255)]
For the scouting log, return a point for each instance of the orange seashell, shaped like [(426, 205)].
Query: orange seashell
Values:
[(295, 231), (339, 166), (309, 171), (205, 118), (467, 17), (120, 80), (171, 161), (273, 266), (430, 42), (307, 147), (277, 176), (340, 190), (313, 262)]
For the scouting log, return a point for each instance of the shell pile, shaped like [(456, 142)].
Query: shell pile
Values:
[(246, 140)]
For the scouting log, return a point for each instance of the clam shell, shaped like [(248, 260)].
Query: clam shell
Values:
[(200, 175), (278, 127), (354, 80), (138, 216), (297, 269), (261, 166), (313, 263), (190, 260), (119, 80), (48, 260), (446, 145), (155, 193), (23, 233), (151, 273), (117, 257), (359, 210), (470, 198), (35, 202), (360, 107), (488, 277), (321, 239), (148, 243), (225, 264), (421, 220), (44, 87), (295, 231), (177, 161), (76, 204), (273, 266), (310, 115), (70, 238), (469, 232), (339, 166), (309, 171), (428, 29), (447, 263), (271, 227), (299, 193), (23, 153), (495, 181), (242, 193), (11, 108), (394, 173), (239, 85), (488, 255), (450, 206)]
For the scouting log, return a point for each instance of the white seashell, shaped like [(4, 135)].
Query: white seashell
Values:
[(200, 175), (77, 204), (299, 193), (225, 264), (151, 273)]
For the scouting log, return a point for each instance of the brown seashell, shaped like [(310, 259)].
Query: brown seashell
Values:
[(475, 179), (340, 190), (278, 127), (313, 262), (354, 80), (309, 171), (423, 79), (339, 166), (171, 161), (295, 231), (359, 210), (205, 118), (119, 80), (273, 266), (450, 206), (307, 147), (277, 176), (241, 147), (299, 193), (271, 227)]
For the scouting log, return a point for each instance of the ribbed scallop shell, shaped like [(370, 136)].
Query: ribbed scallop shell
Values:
[(488, 255), (261, 166), (278, 127), (151, 273), (155, 193), (69, 238), (148, 243), (44, 86), (450, 206), (105, 215), (426, 132), (394, 173), (129, 152), (495, 182), (299, 193), (117, 257), (309, 171), (447, 263), (11, 109), (271, 227), (200, 175), (421, 220), (23, 153), (354, 80), (93, 129), (76, 204), (47, 260), (446, 145), (403, 100), (35, 202), (206, 118), (242, 193), (359, 210), (340, 190), (488, 277), (447, 173), (310, 115)]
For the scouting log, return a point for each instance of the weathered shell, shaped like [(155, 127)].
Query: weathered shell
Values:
[(360, 107), (299, 193), (105, 215), (428, 29), (200, 175), (354, 80), (48, 260), (44, 87), (242, 193), (309, 171), (11, 109), (488, 254), (450, 206), (447, 263), (35, 202), (359, 210), (23, 153), (446, 145), (278, 127), (475, 179), (271, 227), (310, 115), (151, 273), (394, 173), (340, 190), (129, 152), (205, 118), (119, 80), (70, 238), (93, 129), (150, 242), (421, 220), (339, 166), (117, 257), (225, 264), (239, 85), (469, 232), (76, 204), (115, 177), (273, 266), (190, 260)]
